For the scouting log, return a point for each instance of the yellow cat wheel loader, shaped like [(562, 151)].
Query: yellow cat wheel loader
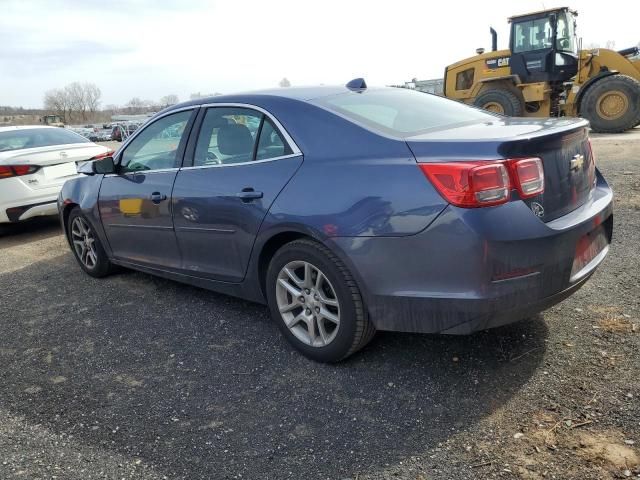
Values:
[(545, 73)]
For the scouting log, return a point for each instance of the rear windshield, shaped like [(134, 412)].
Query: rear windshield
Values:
[(400, 111), (37, 137)]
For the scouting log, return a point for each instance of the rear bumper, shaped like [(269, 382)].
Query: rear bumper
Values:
[(24, 212), (450, 278), (20, 202)]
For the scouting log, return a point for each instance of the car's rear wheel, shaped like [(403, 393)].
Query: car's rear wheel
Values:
[(86, 245), (316, 303)]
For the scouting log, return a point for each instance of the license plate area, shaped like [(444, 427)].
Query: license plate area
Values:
[(60, 171), (589, 248)]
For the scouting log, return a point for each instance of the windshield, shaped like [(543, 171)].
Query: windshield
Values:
[(401, 112), (37, 137), (565, 33)]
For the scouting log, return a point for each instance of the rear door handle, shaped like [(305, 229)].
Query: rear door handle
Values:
[(249, 194), (157, 197)]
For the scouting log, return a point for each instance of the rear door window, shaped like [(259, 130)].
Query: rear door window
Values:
[(232, 135), (272, 144)]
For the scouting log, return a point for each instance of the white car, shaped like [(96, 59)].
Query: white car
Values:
[(34, 163)]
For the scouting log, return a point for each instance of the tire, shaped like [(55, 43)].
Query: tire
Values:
[(101, 267), (500, 100), (331, 343), (612, 104)]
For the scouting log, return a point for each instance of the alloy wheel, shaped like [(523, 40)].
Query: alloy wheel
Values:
[(84, 242), (308, 303)]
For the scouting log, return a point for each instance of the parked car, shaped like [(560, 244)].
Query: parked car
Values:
[(34, 163), (125, 130), (104, 136), (88, 133), (350, 209)]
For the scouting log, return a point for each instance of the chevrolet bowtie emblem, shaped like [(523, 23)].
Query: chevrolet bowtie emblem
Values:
[(577, 161)]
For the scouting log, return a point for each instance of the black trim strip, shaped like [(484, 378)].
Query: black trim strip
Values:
[(148, 227), (256, 141), (204, 229)]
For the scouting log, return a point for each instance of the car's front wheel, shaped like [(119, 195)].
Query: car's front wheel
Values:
[(86, 245), (316, 303)]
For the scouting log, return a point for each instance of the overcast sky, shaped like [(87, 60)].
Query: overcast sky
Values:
[(151, 48)]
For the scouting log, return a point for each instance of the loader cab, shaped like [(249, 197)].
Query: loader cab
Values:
[(544, 46)]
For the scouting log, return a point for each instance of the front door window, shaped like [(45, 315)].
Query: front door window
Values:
[(156, 147)]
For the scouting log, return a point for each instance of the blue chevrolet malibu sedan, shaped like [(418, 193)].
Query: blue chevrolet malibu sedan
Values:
[(349, 210)]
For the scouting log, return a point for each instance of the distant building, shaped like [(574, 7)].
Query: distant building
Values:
[(430, 86), (132, 118)]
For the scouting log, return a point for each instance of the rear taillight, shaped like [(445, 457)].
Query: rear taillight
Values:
[(528, 176), (485, 183), (108, 153), (7, 171)]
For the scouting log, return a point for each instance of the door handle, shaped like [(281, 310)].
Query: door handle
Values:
[(157, 197), (249, 194)]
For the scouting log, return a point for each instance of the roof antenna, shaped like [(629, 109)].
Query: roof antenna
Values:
[(357, 84)]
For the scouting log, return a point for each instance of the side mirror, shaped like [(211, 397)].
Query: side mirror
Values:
[(102, 166)]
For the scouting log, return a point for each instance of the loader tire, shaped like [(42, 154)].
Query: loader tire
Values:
[(612, 104), (500, 100)]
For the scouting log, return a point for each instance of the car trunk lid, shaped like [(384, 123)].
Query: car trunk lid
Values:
[(562, 145), (57, 163)]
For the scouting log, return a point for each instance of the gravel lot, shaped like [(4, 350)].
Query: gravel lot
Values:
[(138, 377)]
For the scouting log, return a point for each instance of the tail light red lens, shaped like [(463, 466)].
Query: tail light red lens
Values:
[(528, 176), (469, 184), (485, 183), (7, 171)]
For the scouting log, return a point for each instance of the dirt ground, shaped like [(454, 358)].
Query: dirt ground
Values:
[(138, 377)]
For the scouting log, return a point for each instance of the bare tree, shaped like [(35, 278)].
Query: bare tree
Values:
[(169, 100), (56, 100), (285, 82), (197, 95), (76, 98), (112, 108), (76, 101), (92, 95), (135, 105)]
